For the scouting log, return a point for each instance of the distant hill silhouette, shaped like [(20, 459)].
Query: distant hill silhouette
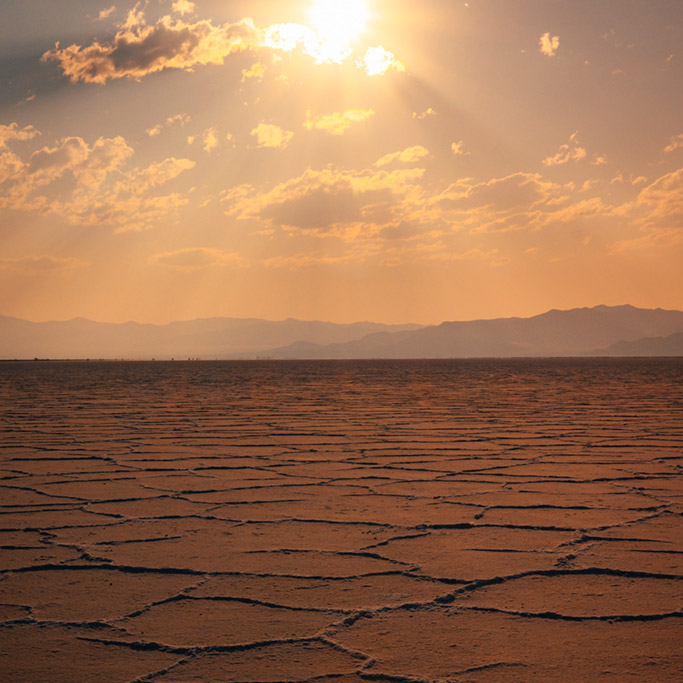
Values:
[(602, 330), (203, 338), (648, 346), (556, 333)]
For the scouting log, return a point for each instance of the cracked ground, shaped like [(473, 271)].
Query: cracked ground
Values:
[(342, 521)]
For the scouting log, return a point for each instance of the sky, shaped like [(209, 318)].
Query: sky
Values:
[(386, 160)]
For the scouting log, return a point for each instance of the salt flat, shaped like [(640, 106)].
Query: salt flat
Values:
[(489, 520)]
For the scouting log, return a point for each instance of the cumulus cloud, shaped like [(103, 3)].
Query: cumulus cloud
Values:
[(198, 258), (138, 50), (377, 61), (407, 156), (547, 45), (270, 135), (89, 184), (572, 151), (13, 132), (332, 200), (339, 122)]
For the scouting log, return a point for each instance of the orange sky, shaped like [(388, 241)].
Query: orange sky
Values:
[(390, 160)]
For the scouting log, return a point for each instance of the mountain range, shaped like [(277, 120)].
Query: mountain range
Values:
[(598, 331)]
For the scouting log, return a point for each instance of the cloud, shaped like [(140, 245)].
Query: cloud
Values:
[(332, 201), (184, 7), (255, 71), (676, 142), (572, 151), (518, 191), (138, 50), (106, 13), (547, 45), (179, 119), (377, 61), (407, 156), (424, 114), (210, 140), (89, 184), (661, 203), (458, 148), (270, 135), (198, 258), (43, 264), (339, 122), (13, 132)]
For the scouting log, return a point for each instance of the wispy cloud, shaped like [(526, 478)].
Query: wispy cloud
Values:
[(424, 114), (676, 142), (198, 258), (458, 148), (106, 13), (43, 264), (407, 156), (339, 122), (572, 151)]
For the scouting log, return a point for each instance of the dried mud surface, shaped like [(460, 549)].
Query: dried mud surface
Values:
[(342, 521)]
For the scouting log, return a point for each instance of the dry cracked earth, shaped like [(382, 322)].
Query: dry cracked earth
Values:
[(343, 522)]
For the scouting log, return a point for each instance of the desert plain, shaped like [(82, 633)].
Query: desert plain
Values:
[(405, 521)]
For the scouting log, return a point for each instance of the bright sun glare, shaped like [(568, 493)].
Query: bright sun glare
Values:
[(339, 21)]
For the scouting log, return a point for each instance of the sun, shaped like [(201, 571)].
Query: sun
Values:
[(339, 22)]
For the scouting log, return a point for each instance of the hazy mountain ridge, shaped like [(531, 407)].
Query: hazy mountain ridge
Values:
[(601, 330), (576, 332), (648, 346), (203, 338)]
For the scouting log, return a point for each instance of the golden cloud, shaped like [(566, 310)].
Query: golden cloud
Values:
[(410, 155), (339, 122), (270, 135), (676, 142), (572, 151), (184, 7), (458, 148), (333, 201), (88, 184), (547, 45), (13, 132), (138, 50)]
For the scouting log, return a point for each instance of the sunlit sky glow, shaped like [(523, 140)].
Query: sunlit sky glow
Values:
[(388, 160)]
